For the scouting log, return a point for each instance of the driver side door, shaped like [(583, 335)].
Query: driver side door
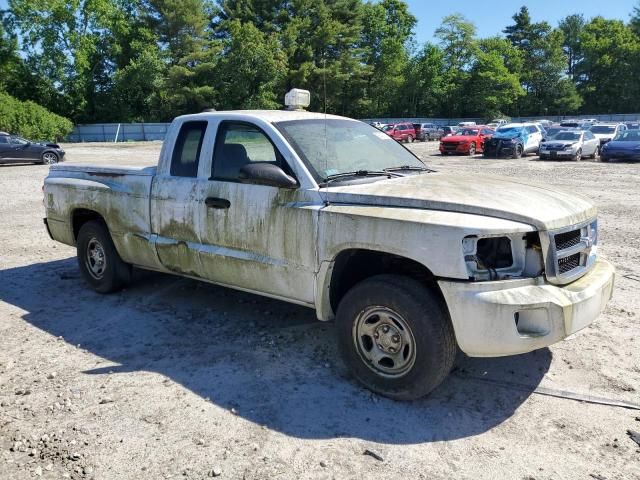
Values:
[(19, 149), (255, 237)]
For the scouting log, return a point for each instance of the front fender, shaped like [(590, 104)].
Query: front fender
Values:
[(431, 238)]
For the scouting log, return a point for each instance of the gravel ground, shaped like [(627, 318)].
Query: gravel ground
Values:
[(178, 379)]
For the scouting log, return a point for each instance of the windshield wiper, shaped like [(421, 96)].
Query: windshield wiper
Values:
[(359, 173), (408, 168)]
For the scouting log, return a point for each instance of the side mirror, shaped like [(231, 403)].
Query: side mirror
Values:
[(262, 173)]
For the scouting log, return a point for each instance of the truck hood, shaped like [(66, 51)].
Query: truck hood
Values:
[(537, 205)]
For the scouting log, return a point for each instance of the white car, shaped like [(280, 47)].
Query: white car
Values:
[(570, 144), (607, 131)]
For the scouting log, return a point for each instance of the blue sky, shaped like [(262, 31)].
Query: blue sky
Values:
[(491, 16)]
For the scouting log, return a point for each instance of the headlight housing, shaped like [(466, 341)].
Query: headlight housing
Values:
[(501, 257)]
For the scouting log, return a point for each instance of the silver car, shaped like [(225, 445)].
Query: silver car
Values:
[(570, 144)]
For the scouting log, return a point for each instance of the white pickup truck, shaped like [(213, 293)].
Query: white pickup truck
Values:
[(330, 213)]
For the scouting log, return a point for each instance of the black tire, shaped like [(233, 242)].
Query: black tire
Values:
[(518, 151), (595, 154), (50, 158), (94, 242), (426, 323), (444, 153), (410, 139), (472, 149)]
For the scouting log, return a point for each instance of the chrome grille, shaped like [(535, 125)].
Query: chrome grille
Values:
[(567, 239), (567, 264), (571, 252)]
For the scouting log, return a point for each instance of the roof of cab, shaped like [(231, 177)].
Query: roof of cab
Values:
[(267, 115)]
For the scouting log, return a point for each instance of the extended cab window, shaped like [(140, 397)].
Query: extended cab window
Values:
[(186, 153), (238, 144)]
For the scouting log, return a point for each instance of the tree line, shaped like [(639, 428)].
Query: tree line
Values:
[(151, 60)]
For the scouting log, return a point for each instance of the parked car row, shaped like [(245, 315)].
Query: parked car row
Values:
[(570, 139)]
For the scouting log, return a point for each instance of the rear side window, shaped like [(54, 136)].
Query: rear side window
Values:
[(186, 153), (3, 140)]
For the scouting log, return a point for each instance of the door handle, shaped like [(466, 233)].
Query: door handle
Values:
[(213, 202)]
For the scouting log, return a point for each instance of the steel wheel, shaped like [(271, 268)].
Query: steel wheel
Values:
[(49, 158), (95, 259), (384, 341)]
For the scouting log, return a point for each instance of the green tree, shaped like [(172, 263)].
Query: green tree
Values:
[(543, 67), (459, 48), (387, 29), (65, 43), (634, 22), (424, 84), (610, 67), (572, 26), (252, 69), (493, 86), (322, 43)]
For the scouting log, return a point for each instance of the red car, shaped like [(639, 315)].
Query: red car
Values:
[(468, 140), (402, 132)]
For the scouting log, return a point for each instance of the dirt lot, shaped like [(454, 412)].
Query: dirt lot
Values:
[(177, 379)]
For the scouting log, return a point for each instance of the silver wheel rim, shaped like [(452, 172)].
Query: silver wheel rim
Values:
[(472, 149), (95, 259), (49, 158), (384, 341)]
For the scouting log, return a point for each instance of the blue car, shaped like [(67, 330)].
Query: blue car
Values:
[(626, 146)]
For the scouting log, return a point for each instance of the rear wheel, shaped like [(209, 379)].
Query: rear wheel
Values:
[(396, 336), (99, 262), (595, 154)]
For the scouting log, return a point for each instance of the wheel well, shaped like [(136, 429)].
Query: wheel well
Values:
[(82, 216), (354, 265)]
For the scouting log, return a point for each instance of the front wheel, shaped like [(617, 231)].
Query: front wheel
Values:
[(98, 259), (472, 149), (49, 158), (578, 156), (410, 139), (517, 152), (396, 336)]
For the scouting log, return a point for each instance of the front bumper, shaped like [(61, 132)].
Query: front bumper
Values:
[(557, 153), (503, 148), (460, 148), (607, 154), (509, 317)]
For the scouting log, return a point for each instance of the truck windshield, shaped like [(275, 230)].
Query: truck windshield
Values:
[(333, 146)]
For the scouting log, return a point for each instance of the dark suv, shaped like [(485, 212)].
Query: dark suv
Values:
[(18, 150)]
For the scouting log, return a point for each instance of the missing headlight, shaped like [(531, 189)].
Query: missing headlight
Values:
[(486, 255)]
